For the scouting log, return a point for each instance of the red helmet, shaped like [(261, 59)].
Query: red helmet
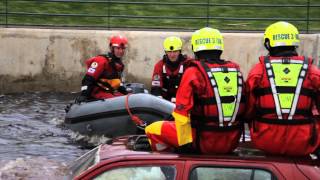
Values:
[(118, 41)]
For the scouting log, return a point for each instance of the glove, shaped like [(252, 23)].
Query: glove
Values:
[(81, 99), (123, 90), (173, 100)]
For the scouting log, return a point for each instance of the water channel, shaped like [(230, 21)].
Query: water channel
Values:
[(34, 144)]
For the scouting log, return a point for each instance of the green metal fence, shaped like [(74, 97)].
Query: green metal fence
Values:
[(227, 15)]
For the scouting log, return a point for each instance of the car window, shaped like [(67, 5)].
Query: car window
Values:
[(226, 173), (84, 162), (138, 173), (262, 174)]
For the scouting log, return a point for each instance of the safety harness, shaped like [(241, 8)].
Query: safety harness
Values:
[(227, 86), (171, 81), (286, 77), (114, 75)]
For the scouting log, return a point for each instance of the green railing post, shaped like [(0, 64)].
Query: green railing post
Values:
[(203, 17), (308, 15), (208, 12), (6, 13), (108, 15)]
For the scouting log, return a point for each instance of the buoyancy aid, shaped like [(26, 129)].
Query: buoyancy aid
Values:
[(110, 78), (285, 107), (218, 109), (171, 74), (172, 81), (285, 87)]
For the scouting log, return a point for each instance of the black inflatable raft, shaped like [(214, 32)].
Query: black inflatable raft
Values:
[(110, 117)]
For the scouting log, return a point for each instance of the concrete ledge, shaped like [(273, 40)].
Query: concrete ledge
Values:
[(53, 59)]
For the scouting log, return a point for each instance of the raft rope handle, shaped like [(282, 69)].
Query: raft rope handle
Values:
[(136, 119)]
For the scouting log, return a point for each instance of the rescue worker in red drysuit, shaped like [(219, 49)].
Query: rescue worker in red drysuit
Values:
[(282, 89), (103, 78), (208, 104), (168, 71)]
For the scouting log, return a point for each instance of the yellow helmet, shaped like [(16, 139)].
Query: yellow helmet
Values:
[(207, 39), (172, 43), (282, 34)]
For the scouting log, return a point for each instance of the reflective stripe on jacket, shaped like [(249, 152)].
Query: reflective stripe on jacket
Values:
[(282, 92), (196, 98), (166, 79)]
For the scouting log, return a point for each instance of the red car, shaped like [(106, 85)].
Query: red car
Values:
[(117, 160)]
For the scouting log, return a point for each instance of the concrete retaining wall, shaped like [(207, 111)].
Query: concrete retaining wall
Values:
[(53, 60)]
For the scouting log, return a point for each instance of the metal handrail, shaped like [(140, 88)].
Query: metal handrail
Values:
[(206, 17), (178, 4), (158, 17)]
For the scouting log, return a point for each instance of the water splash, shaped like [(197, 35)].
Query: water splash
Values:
[(34, 143), (33, 168)]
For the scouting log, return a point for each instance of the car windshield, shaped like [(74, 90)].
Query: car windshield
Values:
[(84, 162), (139, 172)]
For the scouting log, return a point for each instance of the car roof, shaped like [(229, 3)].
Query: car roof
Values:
[(122, 147)]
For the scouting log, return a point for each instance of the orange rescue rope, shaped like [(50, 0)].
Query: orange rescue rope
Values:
[(136, 119)]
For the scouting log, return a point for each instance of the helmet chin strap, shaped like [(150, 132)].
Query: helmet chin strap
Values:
[(281, 50), (209, 55), (114, 57), (267, 44), (112, 49), (173, 64)]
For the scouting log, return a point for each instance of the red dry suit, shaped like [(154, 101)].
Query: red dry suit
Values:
[(167, 76), (197, 117), (277, 129), (103, 77)]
